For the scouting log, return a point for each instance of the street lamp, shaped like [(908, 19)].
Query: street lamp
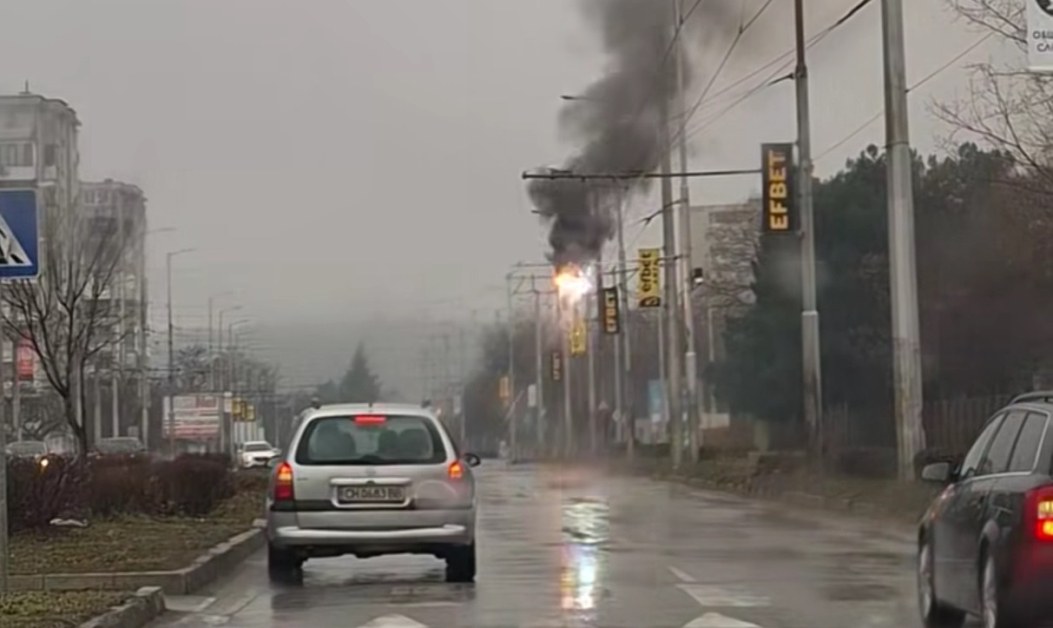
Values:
[(144, 388), (211, 302), (171, 344)]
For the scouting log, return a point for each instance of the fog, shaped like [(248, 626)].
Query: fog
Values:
[(350, 170)]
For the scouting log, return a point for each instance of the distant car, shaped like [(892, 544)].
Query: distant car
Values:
[(985, 544), (120, 445), (30, 450), (257, 454), (371, 480)]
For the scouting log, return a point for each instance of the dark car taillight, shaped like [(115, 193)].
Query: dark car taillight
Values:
[(1038, 513), (283, 483)]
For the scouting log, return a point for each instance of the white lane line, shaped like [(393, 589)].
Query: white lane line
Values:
[(393, 621), (707, 595), (716, 620), (681, 575), (187, 603)]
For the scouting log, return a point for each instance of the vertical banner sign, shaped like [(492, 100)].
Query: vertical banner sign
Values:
[(609, 315), (26, 359), (649, 286), (777, 172), (504, 388), (578, 342), (1040, 35), (557, 366)]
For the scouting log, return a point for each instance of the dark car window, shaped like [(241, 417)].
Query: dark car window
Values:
[(998, 454), (370, 440), (972, 460), (1027, 443)]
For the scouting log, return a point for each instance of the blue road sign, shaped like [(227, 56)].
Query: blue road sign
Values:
[(19, 235)]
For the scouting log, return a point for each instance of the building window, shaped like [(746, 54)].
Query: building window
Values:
[(16, 154)]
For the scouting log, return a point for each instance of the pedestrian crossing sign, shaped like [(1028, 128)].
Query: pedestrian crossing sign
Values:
[(18, 235)]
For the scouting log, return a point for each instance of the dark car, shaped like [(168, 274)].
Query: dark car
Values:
[(985, 544)]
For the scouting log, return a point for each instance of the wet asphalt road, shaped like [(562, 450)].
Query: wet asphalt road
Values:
[(577, 548)]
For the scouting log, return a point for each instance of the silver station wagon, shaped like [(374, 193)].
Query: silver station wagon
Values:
[(371, 480)]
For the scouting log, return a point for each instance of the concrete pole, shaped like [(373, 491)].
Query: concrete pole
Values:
[(539, 366), (622, 347), (211, 356), (673, 352), (171, 354), (4, 549), (906, 335), (684, 255), (591, 329), (565, 318), (117, 374), (144, 385), (96, 422), (812, 368), (513, 426)]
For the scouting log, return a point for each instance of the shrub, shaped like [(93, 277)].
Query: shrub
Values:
[(193, 485), (121, 484), (251, 481), (38, 494)]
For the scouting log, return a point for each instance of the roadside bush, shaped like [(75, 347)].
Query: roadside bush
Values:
[(38, 494), (251, 481), (193, 485), (122, 484)]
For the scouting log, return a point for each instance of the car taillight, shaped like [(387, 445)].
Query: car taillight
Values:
[(456, 470), (1038, 512), (283, 483)]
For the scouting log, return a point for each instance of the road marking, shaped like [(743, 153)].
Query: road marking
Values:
[(393, 621), (716, 620), (187, 603), (681, 575), (707, 595)]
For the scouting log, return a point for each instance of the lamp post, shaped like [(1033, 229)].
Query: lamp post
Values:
[(171, 345)]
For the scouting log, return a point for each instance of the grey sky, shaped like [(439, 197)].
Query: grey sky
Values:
[(334, 160)]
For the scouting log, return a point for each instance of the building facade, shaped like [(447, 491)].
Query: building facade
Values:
[(114, 218)]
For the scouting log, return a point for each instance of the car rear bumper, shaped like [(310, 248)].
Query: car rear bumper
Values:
[(371, 531)]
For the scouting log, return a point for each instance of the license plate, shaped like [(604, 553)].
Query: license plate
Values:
[(372, 494)]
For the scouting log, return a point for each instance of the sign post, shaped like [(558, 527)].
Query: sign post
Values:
[(19, 260), (779, 203)]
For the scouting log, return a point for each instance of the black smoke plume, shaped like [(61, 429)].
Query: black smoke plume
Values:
[(616, 120)]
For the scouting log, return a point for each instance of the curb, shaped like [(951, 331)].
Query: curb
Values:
[(207, 567), (800, 499), (147, 604)]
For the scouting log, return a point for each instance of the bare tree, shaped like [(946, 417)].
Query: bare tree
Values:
[(68, 313), (1007, 107)]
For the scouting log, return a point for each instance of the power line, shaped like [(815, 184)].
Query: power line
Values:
[(939, 70)]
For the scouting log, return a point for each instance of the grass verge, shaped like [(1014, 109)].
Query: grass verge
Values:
[(49, 609), (892, 499), (133, 543)]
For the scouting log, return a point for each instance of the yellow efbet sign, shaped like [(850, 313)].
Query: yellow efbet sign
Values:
[(649, 286), (578, 340), (504, 388)]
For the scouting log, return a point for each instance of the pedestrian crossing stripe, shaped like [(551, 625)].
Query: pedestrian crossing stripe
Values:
[(12, 253), (707, 595), (716, 620)]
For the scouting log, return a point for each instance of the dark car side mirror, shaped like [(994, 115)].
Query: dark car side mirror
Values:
[(938, 472), (472, 460)]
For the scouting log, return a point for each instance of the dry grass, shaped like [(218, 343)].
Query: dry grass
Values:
[(133, 543), (40, 609)]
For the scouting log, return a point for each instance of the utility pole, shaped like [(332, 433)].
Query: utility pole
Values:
[(622, 354), (684, 256), (513, 426), (672, 287), (117, 375), (810, 350), (591, 327), (563, 324), (171, 357), (5, 552), (539, 367), (906, 335), (144, 384)]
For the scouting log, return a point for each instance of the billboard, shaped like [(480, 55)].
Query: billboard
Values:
[(192, 417), (1039, 33), (609, 315), (779, 205), (649, 286), (578, 335)]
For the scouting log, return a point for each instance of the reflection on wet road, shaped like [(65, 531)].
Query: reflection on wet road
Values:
[(578, 548)]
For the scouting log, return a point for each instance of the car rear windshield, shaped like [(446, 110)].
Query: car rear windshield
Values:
[(370, 440)]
